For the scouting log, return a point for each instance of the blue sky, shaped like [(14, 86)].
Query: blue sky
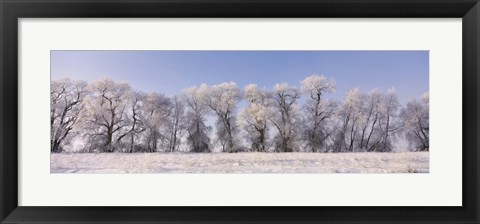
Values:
[(169, 72)]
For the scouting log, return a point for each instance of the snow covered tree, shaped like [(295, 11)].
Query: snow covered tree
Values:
[(222, 100), (175, 125), (416, 120), (156, 110), (198, 132), (349, 113), (370, 132), (367, 122), (286, 117), (254, 118), (111, 117), (135, 122), (317, 111), (66, 97), (106, 114), (389, 122)]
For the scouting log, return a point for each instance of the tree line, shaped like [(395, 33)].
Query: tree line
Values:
[(109, 116)]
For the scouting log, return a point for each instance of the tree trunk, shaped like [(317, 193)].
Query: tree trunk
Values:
[(56, 147), (108, 144)]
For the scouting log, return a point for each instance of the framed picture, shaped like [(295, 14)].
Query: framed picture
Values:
[(247, 112)]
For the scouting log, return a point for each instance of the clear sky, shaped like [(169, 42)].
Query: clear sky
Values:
[(169, 72)]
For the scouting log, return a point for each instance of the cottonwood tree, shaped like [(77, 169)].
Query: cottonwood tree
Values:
[(285, 119), (389, 122), (349, 113), (156, 110), (135, 122), (368, 122), (317, 111), (254, 118), (113, 117), (222, 100), (415, 116), (198, 132), (175, 125), (66, 98), (106, 114), (370, 114)]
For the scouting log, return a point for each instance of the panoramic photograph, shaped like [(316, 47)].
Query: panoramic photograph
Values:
[(235, 111)]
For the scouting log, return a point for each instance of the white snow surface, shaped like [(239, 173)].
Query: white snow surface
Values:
[(109, 163)]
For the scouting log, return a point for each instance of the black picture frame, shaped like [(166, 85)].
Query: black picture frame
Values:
[(12, 10)]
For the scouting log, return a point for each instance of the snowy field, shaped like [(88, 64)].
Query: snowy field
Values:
[(408, 162)]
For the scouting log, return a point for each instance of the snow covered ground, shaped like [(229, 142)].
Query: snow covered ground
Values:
[(407, 162)]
